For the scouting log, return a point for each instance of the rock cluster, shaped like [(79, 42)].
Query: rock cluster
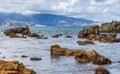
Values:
[(93, 33), (85, 42), (24, 31), (101, 70), (81, 56), (14, 67)]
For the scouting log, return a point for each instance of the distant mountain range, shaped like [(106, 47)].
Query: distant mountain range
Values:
[(41, 19)]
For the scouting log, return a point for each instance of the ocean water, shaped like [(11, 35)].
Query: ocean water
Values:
[(13, 48)]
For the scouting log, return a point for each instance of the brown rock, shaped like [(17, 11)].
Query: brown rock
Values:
[(12, 33), (86, 32), (81, 56), (14, 67), (101, 70), (85, 42)]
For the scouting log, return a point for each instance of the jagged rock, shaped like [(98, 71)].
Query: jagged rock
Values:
[(85, 42), (112, 27), (14, 67), (81, 56), (56, 50), (101, 70), (24, 31), (86, 32), (91, 56)]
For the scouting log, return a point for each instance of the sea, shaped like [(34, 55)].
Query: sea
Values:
[(14, 48)]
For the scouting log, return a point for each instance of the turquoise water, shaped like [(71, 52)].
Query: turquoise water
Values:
[(13, 48)]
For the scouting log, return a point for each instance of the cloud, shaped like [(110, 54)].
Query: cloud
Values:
[(101, 10)]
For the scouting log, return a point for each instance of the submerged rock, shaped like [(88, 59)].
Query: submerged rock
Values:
[(101, 70), (35, 59), (68, 36), (24, 56), (14, 67), (57, 35)]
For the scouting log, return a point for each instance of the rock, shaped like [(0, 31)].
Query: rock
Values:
[(111, 27), (33, 35), (57, 35), (35, 59), (91, 56), (86, 32), (56, 50), (101, 70), (68, 36), (85, 42), (23, 56), (24, 31), (14, 67), (104, 38), (81, 56)]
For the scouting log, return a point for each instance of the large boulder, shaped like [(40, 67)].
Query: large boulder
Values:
[(91, 30), (14, 67)]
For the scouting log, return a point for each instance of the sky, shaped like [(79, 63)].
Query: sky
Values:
[(97, 10)]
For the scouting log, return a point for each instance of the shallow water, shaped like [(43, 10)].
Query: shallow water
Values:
[(13, 48)]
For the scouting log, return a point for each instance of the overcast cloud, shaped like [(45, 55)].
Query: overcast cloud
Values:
[(99, 10)]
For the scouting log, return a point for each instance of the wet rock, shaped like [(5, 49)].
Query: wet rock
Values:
[(33, 35), (14, 67), (57, 35), (68, 36), (56, 50), (23, 31), (86, 32), (104, 38), (92, 56), (35, 59), (101, 70), (81, 56), (24, 56), (85, 42)]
